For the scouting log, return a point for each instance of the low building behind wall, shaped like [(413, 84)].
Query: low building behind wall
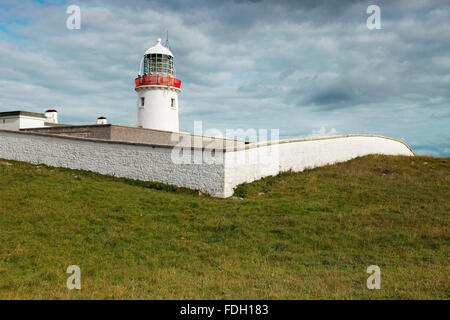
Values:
[(15, 120)]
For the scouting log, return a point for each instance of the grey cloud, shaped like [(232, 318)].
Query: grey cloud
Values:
[(293, 65)]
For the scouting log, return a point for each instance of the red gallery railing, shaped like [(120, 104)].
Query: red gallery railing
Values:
[(157, 81)]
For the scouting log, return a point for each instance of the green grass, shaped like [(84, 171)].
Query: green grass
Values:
[(308, 235)]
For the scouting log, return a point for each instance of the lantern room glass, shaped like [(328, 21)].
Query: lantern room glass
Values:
[(157, 63)]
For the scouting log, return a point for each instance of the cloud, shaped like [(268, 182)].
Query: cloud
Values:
[(292, 65), (322, 132)]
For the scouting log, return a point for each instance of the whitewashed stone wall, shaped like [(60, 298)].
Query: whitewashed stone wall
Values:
[(218, 178), (298, 155), (249, 165), (139, 162)]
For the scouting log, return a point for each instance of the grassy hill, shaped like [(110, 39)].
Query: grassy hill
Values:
[(302, 235)]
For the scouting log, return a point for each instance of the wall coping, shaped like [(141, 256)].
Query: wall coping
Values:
[(234, 149), (269, 143)]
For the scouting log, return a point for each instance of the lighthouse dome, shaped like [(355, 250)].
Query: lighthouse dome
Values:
[(159, 49)]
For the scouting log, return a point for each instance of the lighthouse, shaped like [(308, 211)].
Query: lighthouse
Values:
[(157, 89)]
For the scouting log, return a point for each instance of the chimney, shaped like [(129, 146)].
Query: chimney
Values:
[(51, 115), (102, 120)]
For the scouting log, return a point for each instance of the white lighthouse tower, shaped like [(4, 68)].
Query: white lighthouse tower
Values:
[(157, 89)]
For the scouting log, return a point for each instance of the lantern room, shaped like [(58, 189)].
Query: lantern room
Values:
[(157, 67)]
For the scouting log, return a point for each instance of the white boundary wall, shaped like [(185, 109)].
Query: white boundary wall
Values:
[(301, 154), (154, 163), (140, 162)]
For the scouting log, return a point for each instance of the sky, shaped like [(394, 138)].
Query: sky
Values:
[(307, 68)]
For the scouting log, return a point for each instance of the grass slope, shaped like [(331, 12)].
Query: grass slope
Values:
[(297, 235)]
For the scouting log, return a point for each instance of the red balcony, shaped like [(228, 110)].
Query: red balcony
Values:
[(157, 81)]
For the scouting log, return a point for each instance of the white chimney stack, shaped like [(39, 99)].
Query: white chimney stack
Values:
[(51, 115), (102, 120)]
